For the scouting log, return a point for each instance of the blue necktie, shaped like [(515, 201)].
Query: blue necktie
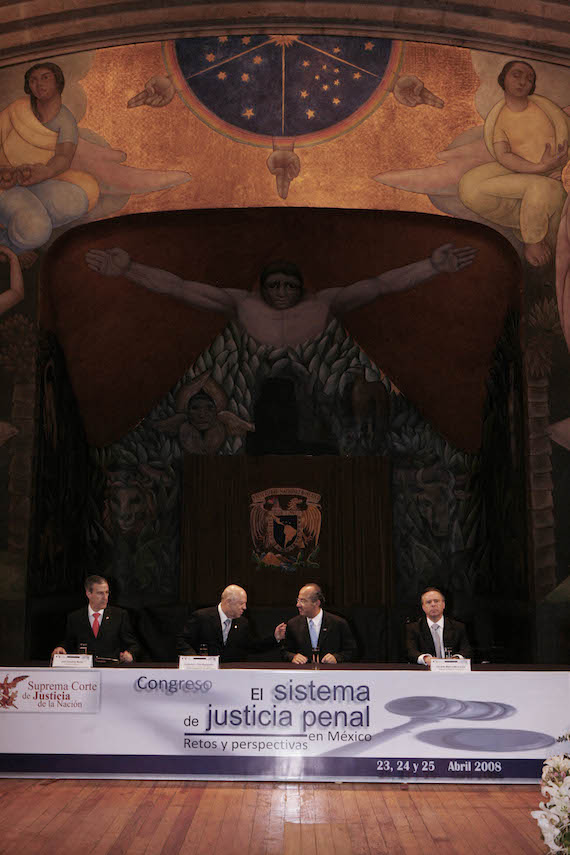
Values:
[(314, 635)]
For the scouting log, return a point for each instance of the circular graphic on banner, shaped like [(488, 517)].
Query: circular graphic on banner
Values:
[(257, 89), (489, 739)]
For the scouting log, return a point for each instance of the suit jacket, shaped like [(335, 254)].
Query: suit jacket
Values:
[(419, 638), (335, 637), (204, 627), (115, 634)]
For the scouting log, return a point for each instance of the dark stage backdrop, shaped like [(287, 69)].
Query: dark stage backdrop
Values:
[(354, 559)]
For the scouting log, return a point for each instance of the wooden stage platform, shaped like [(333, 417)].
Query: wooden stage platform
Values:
[(85, 817)]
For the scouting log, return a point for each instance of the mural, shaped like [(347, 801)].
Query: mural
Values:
[(51, 173), (15, 291), (512, 172), (280, 92), (507, 172), (282, 313), (202, 421), (299, 121)]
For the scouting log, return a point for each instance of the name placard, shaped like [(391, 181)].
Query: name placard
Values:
[(198, 663), (72, 660), (451, 666)]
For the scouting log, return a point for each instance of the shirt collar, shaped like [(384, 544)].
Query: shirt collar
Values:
[(317, 620), (91, 612), (223, 616), (435, 622)]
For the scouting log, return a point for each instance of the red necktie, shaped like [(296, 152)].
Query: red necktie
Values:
[(96, 616)]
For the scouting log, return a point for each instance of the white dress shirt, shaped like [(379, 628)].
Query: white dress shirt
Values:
[(91, 613)]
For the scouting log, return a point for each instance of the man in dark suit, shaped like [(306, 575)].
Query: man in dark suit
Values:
[(432, 634), (104, 630), (314, 628), (223, 631)]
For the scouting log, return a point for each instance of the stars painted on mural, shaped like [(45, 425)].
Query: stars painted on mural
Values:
[(289, 79)]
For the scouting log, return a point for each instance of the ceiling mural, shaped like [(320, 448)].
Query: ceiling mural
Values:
[(155, 111)]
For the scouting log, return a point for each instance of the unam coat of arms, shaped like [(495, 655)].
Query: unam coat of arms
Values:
[(285, 525)]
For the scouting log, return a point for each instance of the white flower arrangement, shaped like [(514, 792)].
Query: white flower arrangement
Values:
[(554, 815)]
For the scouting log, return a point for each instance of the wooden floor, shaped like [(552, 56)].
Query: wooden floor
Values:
[(171, 817)]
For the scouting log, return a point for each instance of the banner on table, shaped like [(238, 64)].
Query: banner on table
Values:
[(293, 725)]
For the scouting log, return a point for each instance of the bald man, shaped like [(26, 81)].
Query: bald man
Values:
[(224, 631)]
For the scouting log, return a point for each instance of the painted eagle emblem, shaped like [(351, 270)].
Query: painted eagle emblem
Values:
[(8, 693)]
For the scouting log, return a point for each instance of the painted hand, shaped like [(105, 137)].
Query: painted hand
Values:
[(449, 259), (108, 262), (286, 166), (158, 92), (410, 90), (32, 173), (554, 160), (8, 178), (6, 254)]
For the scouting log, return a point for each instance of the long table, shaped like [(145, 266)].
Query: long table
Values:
[(281, 723)]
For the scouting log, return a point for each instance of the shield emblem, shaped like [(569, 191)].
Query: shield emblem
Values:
[(285, 525)]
